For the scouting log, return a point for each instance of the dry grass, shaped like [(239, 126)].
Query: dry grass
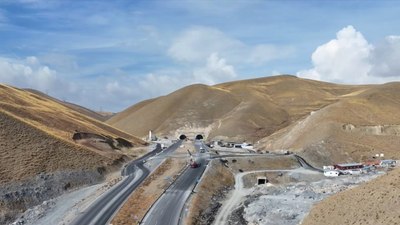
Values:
[(101, 116), (374, 203), (36, 136), (321, 137), (148, 192), (249, 109), (262, 163), (216, 179), (26, 151), (51, 116)]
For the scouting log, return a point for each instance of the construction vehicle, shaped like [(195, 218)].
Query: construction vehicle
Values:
[(192, 162)]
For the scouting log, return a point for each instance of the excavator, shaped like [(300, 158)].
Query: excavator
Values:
[(192, 162)]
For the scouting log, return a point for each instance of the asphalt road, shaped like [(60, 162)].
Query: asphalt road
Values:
[(103, 209), (168, 208), (306, 165)]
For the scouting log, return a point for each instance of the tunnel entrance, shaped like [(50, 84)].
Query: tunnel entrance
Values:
[(262, 180), (182, 137), (199, 137)]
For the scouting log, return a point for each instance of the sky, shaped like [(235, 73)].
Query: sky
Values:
[(108, 55)]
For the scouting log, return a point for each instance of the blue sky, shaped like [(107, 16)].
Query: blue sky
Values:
[(111, 54)]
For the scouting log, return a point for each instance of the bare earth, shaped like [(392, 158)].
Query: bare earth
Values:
[(374, 203), (148, 192)]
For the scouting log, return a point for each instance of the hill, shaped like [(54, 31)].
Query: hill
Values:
[(356, 127), (323, 122), (102, 116), (52, 121), (372, 203), (40, 159), (242, 110)]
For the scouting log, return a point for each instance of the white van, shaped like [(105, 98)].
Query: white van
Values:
[(331, 173)]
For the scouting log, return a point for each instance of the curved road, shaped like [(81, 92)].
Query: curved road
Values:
[(103, 209), (168, 208), (306, 165)]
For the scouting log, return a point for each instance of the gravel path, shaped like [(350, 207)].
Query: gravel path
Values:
[(282, 204), (67, 206), (237, 196)]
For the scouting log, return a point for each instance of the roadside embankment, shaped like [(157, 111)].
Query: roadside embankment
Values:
[(213, 187), (17, 197), (263, 162), (148, 192)]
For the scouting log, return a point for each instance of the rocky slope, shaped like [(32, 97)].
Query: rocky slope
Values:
[(373, 203), (38, 156), (355, 128)]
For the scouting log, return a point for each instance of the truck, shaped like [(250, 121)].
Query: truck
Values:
[(192, 162)]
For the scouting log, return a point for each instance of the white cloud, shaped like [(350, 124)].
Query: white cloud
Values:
[(27, 73), (351, 59), (31, 73), (197, 43), (214, 70), (385, 58)]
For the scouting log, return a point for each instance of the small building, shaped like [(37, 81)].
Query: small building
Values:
[(348, 166), (328, 168), (375, 162), (331, 173)]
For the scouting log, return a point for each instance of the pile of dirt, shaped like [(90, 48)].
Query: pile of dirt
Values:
[(373, 203)]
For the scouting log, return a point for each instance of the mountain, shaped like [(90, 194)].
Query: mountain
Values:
[(324, 121), (242, 110), (36, 136), (356, 127), (102, 116), (48, 147)]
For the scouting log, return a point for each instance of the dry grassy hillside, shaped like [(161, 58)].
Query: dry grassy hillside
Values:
[(374, 203), (249, 109), (191, 107), (37, 136), (354, 128), (26, 151), (102, 116), (39, 159)]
